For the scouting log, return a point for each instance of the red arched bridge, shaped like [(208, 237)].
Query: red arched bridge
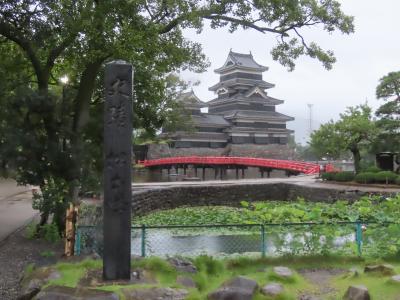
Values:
[(222, 163)]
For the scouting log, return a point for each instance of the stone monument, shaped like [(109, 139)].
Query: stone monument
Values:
[(117, 170)]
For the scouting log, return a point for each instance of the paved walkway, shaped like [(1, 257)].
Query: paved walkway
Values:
[(15, 207)]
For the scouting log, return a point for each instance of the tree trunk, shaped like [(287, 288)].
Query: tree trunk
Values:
[(81, 118), (357, 159)]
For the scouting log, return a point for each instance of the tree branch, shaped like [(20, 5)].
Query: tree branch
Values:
[(55, 52), (7, 31)]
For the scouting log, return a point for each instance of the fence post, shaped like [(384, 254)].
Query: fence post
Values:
[(143, 240), (359, 238), (263, 248)]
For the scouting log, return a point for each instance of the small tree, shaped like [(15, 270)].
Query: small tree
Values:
[(353, 131)]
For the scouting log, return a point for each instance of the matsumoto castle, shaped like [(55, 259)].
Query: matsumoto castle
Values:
[(241, 121)]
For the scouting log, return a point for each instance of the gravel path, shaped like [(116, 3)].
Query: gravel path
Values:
[(16, 253)]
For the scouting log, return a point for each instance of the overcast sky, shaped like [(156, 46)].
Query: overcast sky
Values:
[(362, 58)]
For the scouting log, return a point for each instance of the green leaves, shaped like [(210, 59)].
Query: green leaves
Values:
[(388, 89), (367, 209), (389, 86), (354, 131)]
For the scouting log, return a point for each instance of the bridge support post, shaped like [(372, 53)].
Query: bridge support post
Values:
[(204, 173), (221, 173), (262, 172), (195, 171), (237, 172), (215, 173), (268, 173), (176, 169), (184, 169), (168, 170), (242, 172)]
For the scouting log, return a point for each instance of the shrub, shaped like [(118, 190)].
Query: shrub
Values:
[(397, 181), (50, 233), (328, 176), (385, 177), (158, 264), (208, 265), (344, 176), (372, 169), (30, 231), (365, 177), (201, 280)]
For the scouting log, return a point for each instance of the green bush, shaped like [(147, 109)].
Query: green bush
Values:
[(328, 176), (158, 264), (397, 181), (50, 233), (30, 231), (201, 281), (365, 177), (208, 265), (385, 177), (372, 170), (344, 176)]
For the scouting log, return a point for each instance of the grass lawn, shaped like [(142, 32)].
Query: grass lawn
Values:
[(324, 277)]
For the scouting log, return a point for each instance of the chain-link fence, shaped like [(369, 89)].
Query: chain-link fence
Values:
[(341, 238)]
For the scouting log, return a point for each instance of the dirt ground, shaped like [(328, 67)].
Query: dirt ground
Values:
[(321, 278), (16, 253)]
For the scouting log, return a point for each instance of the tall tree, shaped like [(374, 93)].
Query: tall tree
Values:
[(388, 90), (77, 37), (354, 131)]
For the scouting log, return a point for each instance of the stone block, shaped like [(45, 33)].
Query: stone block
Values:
[(357, 292), (67, 293)]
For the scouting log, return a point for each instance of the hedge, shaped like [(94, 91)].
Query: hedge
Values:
[(344, 176), (328, 176), (385, 177), (372, 170), (365, 177)]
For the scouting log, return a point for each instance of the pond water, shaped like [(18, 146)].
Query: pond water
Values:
[(224, 242), (165, 243)]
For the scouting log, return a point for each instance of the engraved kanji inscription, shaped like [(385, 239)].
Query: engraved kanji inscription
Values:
[(117, 171)]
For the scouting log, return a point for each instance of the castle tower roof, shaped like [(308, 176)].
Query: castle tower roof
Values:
[(240, 61), (190, 100)]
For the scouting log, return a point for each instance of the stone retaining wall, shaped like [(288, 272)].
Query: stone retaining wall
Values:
[(231, 195), (146, 201)]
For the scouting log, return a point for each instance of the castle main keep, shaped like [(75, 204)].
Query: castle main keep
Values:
[(241, 121)]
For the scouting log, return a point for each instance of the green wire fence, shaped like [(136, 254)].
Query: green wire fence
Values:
[(343, 238)]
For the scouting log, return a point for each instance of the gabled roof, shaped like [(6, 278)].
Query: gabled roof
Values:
[(241, 81), (190, 99), (240, 60), (239, 98), (256, 90), (210, 119), (257, 115)]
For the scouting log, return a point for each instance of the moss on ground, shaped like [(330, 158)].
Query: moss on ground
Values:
[(212, 273), (71, 273), (379, 287)]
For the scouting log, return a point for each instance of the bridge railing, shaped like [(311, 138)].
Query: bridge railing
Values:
[(303, 167)]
